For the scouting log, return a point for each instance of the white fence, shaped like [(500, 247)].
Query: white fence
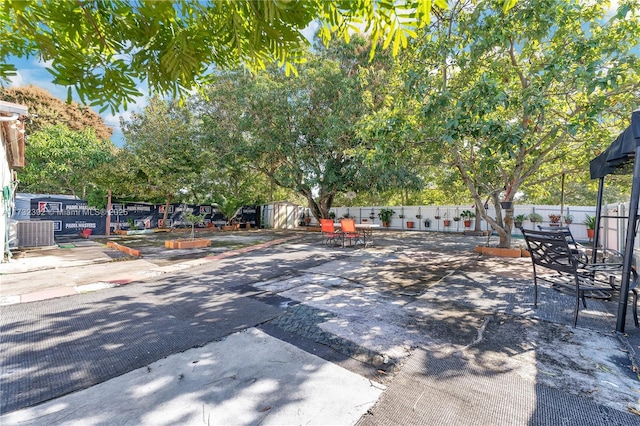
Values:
[(613, 230)]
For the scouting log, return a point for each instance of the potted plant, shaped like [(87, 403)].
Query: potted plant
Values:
[(345, 215), (332, 215), (427, 223), (590, 223), (554, 219), (506, 205), (535, 217), (568, 219), (518, 219), (385, 216), (446, 221), (418, 216), (466, 216)]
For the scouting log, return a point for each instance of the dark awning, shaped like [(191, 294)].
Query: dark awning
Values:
[(621, 158), (618, 157)]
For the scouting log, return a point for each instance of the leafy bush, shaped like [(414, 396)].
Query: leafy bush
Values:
[(385, 215), (520, 218), (590, 222), (535, 217), (467, 214), (554, 218)]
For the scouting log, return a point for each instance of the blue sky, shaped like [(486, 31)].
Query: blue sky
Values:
[(33, 71)]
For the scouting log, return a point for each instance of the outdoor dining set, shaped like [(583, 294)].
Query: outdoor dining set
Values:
[(347, 230)]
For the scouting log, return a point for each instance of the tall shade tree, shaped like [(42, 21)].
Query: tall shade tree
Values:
[(301, 133), (516, 99), (103, 48), (45, 109), (162, 151), (64, 161)]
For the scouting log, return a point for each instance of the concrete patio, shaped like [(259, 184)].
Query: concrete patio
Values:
[(440, 331)]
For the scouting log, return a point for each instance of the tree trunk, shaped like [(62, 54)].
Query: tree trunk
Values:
[(504, 232), (166, 212), (503, 224), (320, 207), (500, 225), (271, 184)]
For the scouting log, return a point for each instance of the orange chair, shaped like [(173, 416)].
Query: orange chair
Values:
[(349, 231), (329, 233)]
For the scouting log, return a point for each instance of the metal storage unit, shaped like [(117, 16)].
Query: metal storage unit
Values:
[(280, 215), (35, 234)]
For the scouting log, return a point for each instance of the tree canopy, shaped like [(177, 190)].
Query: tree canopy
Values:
[(60, 160), (163, 152), (47, 110), (479, 106), (102, 49), (301, 133), (518, 99)]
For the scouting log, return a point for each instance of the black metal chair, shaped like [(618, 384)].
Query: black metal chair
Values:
[(551, 250), (576, 248), (605, 255)]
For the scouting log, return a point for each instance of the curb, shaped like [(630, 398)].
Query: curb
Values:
[(135, 277), (125, 249)]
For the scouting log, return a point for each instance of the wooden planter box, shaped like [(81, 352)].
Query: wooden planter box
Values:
[(501, 252), (187, 244)]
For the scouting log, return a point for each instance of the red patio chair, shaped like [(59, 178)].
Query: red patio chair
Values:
[(349, 231), (329, 233)]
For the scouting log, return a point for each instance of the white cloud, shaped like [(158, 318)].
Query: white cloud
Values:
[(16, 80), (310, 30), (611, 9), (40, 78), (42, 64)]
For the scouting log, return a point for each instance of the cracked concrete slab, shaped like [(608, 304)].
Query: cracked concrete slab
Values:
[(246, 378)]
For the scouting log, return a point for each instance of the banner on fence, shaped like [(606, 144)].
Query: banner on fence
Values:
[(69, 217)]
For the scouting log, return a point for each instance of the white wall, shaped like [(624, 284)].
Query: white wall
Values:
[(450, 211), (5, 205), (612, 233)]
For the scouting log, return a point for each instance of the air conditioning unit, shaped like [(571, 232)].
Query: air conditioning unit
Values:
[(37, 233)]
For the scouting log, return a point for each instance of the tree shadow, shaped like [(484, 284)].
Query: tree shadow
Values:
[(376, 306)]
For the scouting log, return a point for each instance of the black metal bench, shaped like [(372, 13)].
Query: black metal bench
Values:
[(552, 251)]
